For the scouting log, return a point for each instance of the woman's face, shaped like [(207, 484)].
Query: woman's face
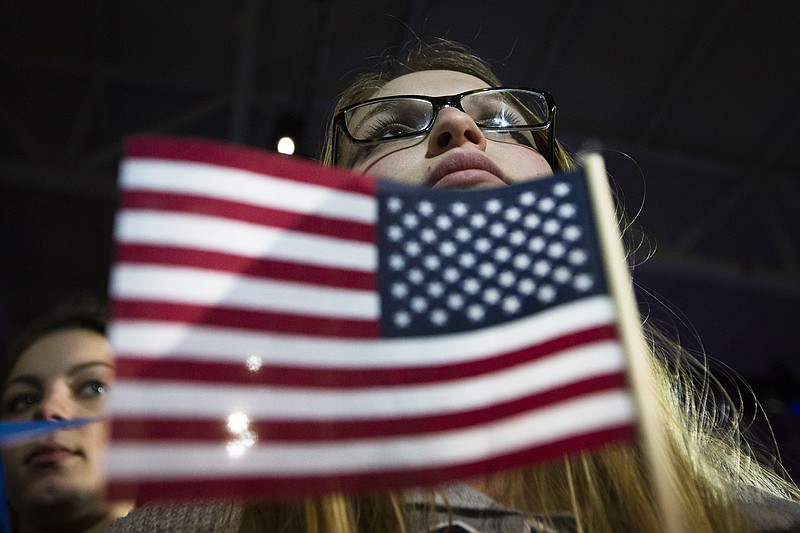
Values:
[(455, 153), (63, 375)]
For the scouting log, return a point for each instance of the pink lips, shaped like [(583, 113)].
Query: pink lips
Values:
[(48, 454), (466, 170)]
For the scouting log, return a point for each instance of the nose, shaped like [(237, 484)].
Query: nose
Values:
[(454, 128), (55, 405)]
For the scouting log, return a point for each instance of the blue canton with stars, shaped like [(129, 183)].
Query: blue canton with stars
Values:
[(453, 261)]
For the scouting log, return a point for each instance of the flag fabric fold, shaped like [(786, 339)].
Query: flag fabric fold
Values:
[(285, 329)]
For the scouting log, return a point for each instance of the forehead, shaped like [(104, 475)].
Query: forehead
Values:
[(431, 83), (57, 352)]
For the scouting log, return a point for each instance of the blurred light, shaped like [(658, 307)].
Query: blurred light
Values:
[(254, 363), (238, 423), (243, 439), (235, 448), (248, 439), (287, 130), (285, 145)]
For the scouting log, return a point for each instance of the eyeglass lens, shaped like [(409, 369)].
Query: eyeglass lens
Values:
[(396, 117)]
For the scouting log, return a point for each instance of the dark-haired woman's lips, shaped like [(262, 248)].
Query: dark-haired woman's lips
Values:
[(466, 171), (50, 454)]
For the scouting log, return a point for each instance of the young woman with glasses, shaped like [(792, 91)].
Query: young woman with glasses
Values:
[(441, 118)]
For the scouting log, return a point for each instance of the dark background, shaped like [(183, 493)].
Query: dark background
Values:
[(694, 104)]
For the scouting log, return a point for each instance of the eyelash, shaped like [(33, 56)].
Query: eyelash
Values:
[(381, 123)]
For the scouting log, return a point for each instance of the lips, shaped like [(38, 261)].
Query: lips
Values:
[(466, 170), (49, 454)]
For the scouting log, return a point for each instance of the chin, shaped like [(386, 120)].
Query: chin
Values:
[(56, 492)]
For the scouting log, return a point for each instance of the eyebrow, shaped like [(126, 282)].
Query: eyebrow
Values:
[(83, 366), (26, 379)]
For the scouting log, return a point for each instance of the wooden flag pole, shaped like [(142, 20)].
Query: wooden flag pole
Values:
[(652, 434)]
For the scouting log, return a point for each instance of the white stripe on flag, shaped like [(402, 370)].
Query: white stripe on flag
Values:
[(160, 339), (217, 234), (190, 400), (174, 462), (185, 177), (222, 289)]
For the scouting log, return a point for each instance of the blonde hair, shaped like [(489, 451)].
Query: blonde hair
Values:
[(334, 513), (608, 490), (605, 490)]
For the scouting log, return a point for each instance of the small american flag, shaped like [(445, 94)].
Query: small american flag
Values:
[(287, 329)]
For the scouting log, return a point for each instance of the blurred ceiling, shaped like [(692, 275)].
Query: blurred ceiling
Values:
[(694, 104)]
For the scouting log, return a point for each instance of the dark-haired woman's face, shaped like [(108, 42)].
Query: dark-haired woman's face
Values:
[(63, 375), (455, 153)]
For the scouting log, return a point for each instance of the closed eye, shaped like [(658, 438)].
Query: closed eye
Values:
[(503, 118), (386, 127)]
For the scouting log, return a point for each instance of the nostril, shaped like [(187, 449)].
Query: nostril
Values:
[(444, 139), (52, 412), (473, 136), (48, 416)]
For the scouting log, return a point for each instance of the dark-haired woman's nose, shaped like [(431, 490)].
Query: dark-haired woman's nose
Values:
[(56, 404), (454, 128)]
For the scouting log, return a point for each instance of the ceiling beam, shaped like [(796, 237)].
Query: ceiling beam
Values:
[(541, 71), (95, 93), (246, 60), (681, 76)]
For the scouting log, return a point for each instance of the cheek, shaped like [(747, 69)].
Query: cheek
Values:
[(98, 437), (97, 407), (402, 160), (520, 163), (403, 166), (13, 458), (94, 440)]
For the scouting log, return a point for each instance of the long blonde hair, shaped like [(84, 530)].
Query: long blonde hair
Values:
[(605, 490)]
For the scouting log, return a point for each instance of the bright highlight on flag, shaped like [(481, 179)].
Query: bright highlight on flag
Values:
[(285, 329)]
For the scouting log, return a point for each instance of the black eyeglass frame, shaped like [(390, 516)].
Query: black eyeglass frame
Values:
[(438, 102)]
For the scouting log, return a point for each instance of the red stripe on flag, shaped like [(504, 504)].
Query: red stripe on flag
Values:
[(266, 486), (184, 369), (135, 429), (248, 266), (249, 159), (243, 212), (262, 321)]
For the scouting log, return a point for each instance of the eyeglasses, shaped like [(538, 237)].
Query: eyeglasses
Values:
[(524, 116)]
